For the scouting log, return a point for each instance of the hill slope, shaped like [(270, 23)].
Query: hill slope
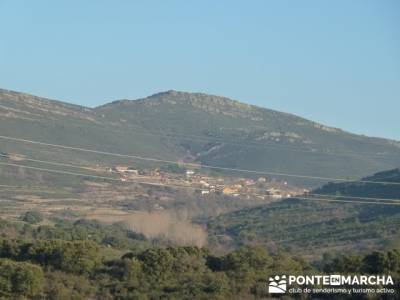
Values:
[(334, 225), (193, 127)]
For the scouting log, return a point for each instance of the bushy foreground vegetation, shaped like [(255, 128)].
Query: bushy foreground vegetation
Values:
[(76, 270), (86, 260), (67, 265), (57, 269)]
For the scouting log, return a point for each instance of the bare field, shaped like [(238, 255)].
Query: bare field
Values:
[(156, 212)]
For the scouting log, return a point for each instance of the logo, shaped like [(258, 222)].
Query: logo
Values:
[(329, 284), (277, 285), (335, 280)]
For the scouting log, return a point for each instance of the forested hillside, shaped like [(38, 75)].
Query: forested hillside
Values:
[(81, 261), (310, 226), (191, 127)]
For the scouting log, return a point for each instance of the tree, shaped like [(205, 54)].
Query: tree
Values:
[(376, 263), (76, 257), (32, 217), (20, 279)]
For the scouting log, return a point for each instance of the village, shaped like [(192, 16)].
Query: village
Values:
[(206, 184), (203, 183)]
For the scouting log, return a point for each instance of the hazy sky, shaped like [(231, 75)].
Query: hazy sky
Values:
[(336, 62)]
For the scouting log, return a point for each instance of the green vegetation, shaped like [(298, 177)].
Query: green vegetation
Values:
[(372, 263), (20, 279), (173, 168), (311, 226), (32, 217), (80, 268), (171, 273), (367, 189), (81, 259), (115, 236), (176, 125), (78, 257), (86, 260), (59, 269)]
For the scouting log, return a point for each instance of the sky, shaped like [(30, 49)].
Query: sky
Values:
[(334, 62)]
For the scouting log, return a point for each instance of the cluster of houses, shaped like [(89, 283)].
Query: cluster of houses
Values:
[(243, 186), (206, 185), (123, 170)]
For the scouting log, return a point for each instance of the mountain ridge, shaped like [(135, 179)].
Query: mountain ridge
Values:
[(208, 129), (199, 100), (187, 95)]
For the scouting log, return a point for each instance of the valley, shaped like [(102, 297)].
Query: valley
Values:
[(224, 187)]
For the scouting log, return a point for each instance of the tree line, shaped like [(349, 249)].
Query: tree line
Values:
[(58, 269)]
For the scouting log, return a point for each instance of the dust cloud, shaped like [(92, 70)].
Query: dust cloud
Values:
[(166, 225)]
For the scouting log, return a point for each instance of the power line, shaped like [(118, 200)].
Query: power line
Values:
[(347, 201), (180, 186), (60, 172), (54, 163), (79, 167), (343, 196), (351, 197), (94, 176), (196, 165), (19, 186), (331, 233), (9, 186), (6, 186), (164, 134), (252, 189)]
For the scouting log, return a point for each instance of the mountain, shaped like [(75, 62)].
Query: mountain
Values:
[(196, 127), (367, 189), (338, 226)]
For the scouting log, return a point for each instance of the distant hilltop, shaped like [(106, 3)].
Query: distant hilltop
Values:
[(197, 127)]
